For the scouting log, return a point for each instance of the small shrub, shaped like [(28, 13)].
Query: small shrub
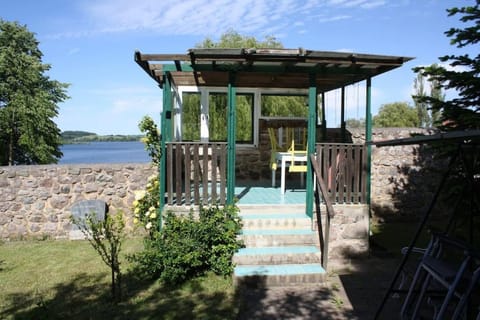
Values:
[(187, 247), (106, 238)]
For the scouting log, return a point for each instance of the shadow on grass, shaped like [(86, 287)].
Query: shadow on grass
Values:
[(88, 297)]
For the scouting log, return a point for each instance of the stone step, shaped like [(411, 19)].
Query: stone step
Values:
[(264, 276), (277, 255), (278, 237), (275, 221)]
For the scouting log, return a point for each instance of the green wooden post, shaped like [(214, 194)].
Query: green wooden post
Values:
[(312, 120), (368, 137), (324, 119), (166, 131), (342, 117), (231, 129)]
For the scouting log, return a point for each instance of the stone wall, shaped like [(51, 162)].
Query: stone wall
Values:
[(35, 201), (349, 230), (404, 178)]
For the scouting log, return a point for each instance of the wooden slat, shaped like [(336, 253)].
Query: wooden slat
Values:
[(334, 173), (214, 173), (325, 163), (363, 175), (223, 174), (169, 173), (178, 173), (357, 177), (348, 173), (341, 174), (205, 174), (188, 174), (196, 175)]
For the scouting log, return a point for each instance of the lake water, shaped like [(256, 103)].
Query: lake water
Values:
[(104, 152)]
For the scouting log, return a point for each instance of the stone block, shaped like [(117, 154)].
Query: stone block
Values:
[(59, 201), (81, 209), (36, 218), (91, 187)]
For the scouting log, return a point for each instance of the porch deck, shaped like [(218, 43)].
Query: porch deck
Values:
[(265, 194)]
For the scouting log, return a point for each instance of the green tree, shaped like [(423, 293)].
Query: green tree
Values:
[(355, 123), (28, 100), (397, 114), (232, 39), (427, 116), (436, 93), (461, 112), (218, 101), (420, 105)]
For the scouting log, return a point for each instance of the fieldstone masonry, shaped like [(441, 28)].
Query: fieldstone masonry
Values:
[(404, 178), (36, 201)]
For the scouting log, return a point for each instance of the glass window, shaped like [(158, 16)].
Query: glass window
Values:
[(284, 106), (217, 112), (191, 116)]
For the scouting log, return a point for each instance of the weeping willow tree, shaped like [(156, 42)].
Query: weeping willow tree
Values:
[(284, 106), (191, 116), (271, 105)]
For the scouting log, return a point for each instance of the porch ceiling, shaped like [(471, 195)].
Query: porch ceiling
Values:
[(266, 68)]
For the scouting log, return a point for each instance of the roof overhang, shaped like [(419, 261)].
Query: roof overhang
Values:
[(266, 68)]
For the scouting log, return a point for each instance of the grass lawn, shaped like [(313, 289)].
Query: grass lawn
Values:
[(68, 280)]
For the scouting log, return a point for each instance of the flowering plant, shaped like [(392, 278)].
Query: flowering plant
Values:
[(145, 205)]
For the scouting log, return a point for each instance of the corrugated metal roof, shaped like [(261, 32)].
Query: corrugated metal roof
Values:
[(267, 68)]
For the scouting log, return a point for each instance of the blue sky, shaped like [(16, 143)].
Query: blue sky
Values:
[(90, 44)]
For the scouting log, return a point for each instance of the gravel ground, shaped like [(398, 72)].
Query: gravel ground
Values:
[(353, 292)]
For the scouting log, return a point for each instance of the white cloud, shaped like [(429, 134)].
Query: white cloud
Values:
[(365, 4), (333, 18), (213, 17)]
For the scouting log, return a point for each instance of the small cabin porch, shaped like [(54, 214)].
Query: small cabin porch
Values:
[(215, 120)]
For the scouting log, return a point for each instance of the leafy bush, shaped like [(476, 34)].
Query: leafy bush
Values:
[(106, 237), (187, 247), (151, 139)]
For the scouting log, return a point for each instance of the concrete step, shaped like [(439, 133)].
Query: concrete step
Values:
[(275, 221), (267, 208), (264, 276), (278, 237), (277, 255)]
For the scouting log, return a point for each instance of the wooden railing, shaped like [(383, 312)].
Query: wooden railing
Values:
[(323, 225), (340, 173), (343, 168), (196, 173)]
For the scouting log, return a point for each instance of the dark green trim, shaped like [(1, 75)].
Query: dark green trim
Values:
[(165, 128), (231, 144), (324, 119), (368, 137), (311, 135), (342, 117)]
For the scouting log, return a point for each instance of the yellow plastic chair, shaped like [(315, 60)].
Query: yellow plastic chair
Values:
[(295, 165)]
